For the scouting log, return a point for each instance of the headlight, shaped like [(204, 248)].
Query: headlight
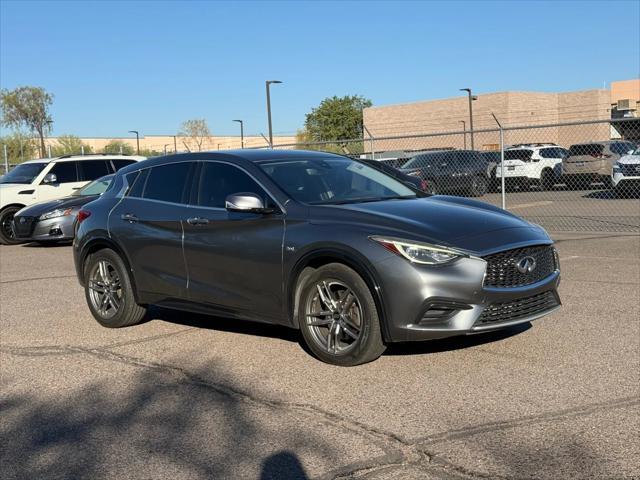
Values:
[(616, 167), (419, 252), (55, 213)]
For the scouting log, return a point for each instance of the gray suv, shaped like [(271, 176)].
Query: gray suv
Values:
[(352, 257)]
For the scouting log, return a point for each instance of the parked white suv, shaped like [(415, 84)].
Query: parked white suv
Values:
[(625, 175), (48, 179), (534, 163)]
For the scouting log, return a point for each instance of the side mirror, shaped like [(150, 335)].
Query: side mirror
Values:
[(246, 202), (50, 178)]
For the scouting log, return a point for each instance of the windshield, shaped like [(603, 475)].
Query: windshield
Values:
[(24, 173), (333, 180), (421, 161), (97, 187)]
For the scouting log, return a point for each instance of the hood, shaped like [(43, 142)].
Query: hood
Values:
[(630, 160), (66, 202), (449, 221)]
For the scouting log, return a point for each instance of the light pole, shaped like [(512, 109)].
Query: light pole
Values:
[(241, 132), (268, 83), (471, 99), (137, 140), (464, 132)]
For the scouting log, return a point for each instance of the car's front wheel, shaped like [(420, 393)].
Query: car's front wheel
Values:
[(109, 292), (338, 317), (7, 234)]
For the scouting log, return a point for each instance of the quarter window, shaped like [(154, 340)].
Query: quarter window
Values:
[(136, 181), (219, 180), (167, 182), (93, 169), (65, 172), (121, 163)]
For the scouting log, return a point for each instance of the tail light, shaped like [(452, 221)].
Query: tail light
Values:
[(83, 215), (424, 185)]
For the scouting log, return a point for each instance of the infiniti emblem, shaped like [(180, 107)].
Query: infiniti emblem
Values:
[(526, 265)]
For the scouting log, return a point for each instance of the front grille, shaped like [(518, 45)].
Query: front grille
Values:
[(518, 309), (23, 226), (630, 170), (503, 272)]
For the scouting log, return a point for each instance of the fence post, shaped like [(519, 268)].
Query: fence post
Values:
[(6, 159), (370, 141), (267, 140), (502, 181), (120, 149), (82, 149), (49, 150)]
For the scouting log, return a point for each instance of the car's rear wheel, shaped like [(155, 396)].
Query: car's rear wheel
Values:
[(109, 292), (338, 317), (478, 186), (7, 234), (548, 180)]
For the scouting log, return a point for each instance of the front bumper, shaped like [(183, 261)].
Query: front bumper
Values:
[(52, 229), (429, 302), (620, 181)]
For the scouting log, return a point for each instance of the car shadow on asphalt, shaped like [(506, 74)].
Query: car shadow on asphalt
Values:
[(156, 424), (246, 327), (611, 195)]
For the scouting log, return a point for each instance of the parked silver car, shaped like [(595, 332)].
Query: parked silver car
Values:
[(55, 220)]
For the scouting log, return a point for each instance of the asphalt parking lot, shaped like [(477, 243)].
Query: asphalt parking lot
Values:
[(189, 396)]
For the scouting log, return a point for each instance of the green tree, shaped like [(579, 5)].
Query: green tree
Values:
[(27, 107), (149, 152), (118, 146), (69, 144), (20, 147), (194, 133), (336, 118)]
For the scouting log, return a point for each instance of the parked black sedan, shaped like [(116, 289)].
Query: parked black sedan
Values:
[(450, 171), (54, 220)]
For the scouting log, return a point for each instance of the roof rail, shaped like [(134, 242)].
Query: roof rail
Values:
[(69, 155)]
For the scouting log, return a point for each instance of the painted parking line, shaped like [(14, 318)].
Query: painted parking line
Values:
[(527, 205)]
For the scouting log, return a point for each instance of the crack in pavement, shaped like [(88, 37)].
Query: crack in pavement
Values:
[(398, 451), (18, 280)]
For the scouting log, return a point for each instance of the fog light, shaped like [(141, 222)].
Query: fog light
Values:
[(55, 232)]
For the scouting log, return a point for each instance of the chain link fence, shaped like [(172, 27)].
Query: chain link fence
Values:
[(567, 177)]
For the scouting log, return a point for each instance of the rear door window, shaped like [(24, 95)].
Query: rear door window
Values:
[(168, 183), (93, 169), (589, 149), (65, 172)]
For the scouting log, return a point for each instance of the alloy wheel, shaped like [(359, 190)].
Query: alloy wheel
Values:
[(105, 289), (335, 317), (7, 226)]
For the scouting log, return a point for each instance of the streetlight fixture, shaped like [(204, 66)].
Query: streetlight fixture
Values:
[(471, 99), (241, 132), (268, 83), (137, 139), (464, 132)]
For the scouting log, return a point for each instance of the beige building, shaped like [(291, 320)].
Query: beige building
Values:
[(513, 109)]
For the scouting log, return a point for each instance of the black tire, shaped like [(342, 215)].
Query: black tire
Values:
[(547, 180), (357, 312), (7, 237), (478, 186), (127, 312)]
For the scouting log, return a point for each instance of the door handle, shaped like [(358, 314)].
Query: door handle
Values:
[(129, 217), (197, 221)]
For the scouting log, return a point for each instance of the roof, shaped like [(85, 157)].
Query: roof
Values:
[(75, 158)]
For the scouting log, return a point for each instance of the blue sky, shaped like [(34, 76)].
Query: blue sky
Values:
[(115, 66)]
